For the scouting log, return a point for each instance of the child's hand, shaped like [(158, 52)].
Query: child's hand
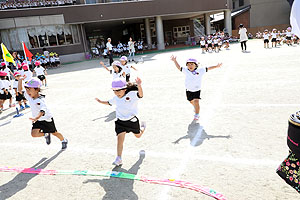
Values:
[(22, 78), (138, 81), (98, 100), (219, 65), (101, 63), (173, 58)]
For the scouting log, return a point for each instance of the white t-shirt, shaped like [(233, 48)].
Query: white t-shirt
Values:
[(109, 46), (2, 86), (52, 59), (127, 106), (266, 36), (126, 69), (243, 34), (6, 84), (28, 75), (131, 46), (202, 42), (193, 79), (274, 35), (39, 71), (38, 105), (15, 85), (117, 75), (216, 41), (288, 34), (46, 53)]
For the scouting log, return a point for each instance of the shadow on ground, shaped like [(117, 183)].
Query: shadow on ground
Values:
[(197, 135), (21, 180), (117, 188), (111, 116)]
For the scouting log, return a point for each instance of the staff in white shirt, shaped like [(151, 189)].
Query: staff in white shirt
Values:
[(243, 37), (109, 48)]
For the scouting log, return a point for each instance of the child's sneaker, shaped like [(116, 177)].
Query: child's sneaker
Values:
[(118, 161), (12, 105), (196, 117), (143, 125), (27, 106), (48, 138), (64, 144), (21, 107)]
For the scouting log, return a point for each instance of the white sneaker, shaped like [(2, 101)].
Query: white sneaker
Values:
[(118, 161), (196, 117), (143, 125)]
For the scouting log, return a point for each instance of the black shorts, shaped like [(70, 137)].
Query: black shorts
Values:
[(20, 97), (273, 39), (132, 125), (41, 77), (266, 41), (57, 62), (203, 46), (288, 38), (44, 126), (209, 45), (8, 96), (193, 95), (3, 96), (216, 45), (127, 77)]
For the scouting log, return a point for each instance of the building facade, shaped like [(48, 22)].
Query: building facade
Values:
[(72, 30)]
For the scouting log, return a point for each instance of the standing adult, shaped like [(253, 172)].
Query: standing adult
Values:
[(109, 51), (243, 37), (131, 49)]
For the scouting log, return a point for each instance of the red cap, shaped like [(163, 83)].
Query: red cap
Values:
[(2, 73), (17, 73)]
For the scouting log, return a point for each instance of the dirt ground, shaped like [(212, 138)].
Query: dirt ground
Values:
[(235, 148)]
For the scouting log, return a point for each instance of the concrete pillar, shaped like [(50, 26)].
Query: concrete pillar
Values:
[(227, 21), (160, 33), (207, 24), (83, 38), (148, 33)]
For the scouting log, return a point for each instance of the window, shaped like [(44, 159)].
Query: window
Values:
[(52, 40), (233, 5), (181, 31), (43, 41), (241, 3)]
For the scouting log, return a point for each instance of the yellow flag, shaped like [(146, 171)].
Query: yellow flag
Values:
[(6, 55)]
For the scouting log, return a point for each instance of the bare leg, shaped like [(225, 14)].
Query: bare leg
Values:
[(195, 102), (58, 135), (121, 138), (36, 133)]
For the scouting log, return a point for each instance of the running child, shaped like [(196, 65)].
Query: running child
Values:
[(117, 71), (40, 72), (274, 38), (193, 79), (126, 67), (6, 87), (203, 44), (42, 119), (27, 73), (209, 44), (289, 36), (126, 102), (278, 38), (266, 37), (3, 91), (20, 95), (216, 44), (4, 68)]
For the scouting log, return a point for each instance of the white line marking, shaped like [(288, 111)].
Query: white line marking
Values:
[(226, 159)]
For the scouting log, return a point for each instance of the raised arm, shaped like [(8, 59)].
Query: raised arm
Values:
[(133, 68), (140, 90), (216, 66), (101, 63), (173, 58), (103, 102), (20, 84)]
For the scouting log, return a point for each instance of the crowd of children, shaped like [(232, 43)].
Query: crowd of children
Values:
[(278, 38), (214, 42)]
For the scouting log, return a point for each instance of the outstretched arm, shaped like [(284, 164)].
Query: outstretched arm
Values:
[(140, 90), (103, 102), (101, 63), (20, 84), (216, 66), (173, 58), (133, 68)]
